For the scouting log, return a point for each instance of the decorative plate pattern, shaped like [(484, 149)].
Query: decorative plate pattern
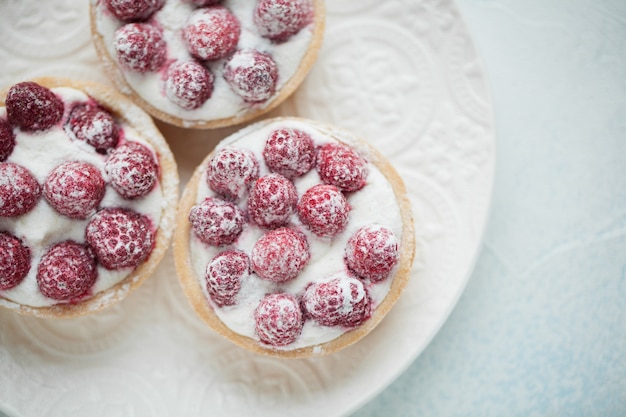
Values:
[(402, 74)]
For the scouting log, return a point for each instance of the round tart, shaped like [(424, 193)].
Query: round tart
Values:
[(207, 64), (88, 193), (293, 238)]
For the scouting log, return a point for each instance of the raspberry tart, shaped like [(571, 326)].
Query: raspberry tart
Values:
[(88, 194), (207, 63), (293, 238)]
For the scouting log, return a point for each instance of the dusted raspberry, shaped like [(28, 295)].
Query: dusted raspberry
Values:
[(188, 84), (14, 261), (272, 200), (211, 33), (252, 75), (289, 152), (33, 107), (94, 125), (204, 3), (120, 237), (74, 189), (341, 166), (280, 255), (224, 275), (231, 172), (216, 222), (19, 190), (280, 19), (372, 252), (324, 210), (278, 319), (340, 301), (140, 47), (7, 139), (66, 271), (132, 170), (133, 10)]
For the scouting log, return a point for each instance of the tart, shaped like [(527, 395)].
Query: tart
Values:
[(207, 63), (88, 194), (293, 238)]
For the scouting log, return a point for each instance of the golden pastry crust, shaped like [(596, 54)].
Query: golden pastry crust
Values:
[(123, 109), (192, 289), (112, 69)]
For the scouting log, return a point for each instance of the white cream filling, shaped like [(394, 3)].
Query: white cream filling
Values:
[(375, 203)]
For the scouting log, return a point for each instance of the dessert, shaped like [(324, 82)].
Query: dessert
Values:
[(207, 63), (293, 238), (88, 193)]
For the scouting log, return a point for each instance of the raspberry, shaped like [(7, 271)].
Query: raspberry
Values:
[(7, 139), (94, 125), (224, 275), (120, 237), (132, 170), (133, 10), (278, 319), (14, 261), (340, 301), (216, 222), (74, 189), (372, 252), (272, 200), (324, 209), (19, 190), (188, 84), (66, 271), (231, 172), (280, 255), (33, 107), (289, 152), (280, 19), (341, 166), (140, 47), (211, 33), (252, 75)]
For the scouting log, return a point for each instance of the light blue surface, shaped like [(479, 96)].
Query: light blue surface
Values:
[(541, 327)]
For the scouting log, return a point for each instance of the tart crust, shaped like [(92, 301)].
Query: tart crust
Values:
[(112, 69), (195, 295), (125, 110)]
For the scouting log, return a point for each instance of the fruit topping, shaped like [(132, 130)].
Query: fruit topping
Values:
[(74, 189), (14, 261), (231, 172), (66, 271), (140, 47), (372, 252), (188, 84), (133, 10), (33, 107), (340, 301), (252, 75), (120, 237), (280, 19), (280, 255), (272, 200), (341, 166), (289, 152), (216, 222), (324, 210), (7, 139), (224, 275), (278, 319), (132, 170), (19, 190), (211, 33), (94, 125)]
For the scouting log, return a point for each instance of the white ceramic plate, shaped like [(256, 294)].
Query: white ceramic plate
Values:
[(404, 75)]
